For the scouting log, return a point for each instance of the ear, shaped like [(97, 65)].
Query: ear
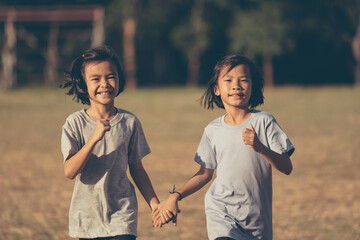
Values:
[(216, 90)]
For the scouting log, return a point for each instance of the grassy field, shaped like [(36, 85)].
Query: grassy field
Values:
[(319, 200)]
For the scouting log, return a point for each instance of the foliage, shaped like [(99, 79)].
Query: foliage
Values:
[(260, 30), (168, 31), (193, 32)]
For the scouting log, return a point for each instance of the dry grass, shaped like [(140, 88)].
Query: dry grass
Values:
[(319, 200)]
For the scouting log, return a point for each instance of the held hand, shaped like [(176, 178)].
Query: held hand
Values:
[(250, 138), (101, 127), (165, 212)]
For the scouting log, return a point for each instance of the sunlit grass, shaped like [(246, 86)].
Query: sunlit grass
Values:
[(319, 200)]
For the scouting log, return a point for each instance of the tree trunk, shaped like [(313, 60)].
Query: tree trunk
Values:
[(129, 31), (194, 54), (51, 66), (8, 59), (268, 72), (193, 68), (98, 36), (355, 45)]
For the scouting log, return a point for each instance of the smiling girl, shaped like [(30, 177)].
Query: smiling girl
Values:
[(98, 145), (243, 145)]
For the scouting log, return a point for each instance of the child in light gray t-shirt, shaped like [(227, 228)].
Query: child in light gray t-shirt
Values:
[(243, 145), (99, 144), (104, 201), (239, 203)]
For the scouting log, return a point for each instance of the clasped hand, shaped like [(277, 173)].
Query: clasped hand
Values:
[(165, 212)]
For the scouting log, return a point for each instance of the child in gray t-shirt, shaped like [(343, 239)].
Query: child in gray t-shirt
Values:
[(243, 146), (98, 145)]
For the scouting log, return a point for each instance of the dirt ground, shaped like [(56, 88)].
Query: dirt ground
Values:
[(319, 200)]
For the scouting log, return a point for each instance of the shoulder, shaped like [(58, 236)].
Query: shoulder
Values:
[(75, 118), (213, 127), (129, 117), (263, 116), (214, 124)]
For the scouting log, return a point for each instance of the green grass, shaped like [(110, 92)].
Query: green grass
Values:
[(319, 200)]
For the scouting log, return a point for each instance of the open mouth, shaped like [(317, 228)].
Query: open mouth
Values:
[(104, 93), (241, 95)]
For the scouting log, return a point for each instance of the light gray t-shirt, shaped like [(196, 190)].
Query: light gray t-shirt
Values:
[(238, 204), (104, 201)]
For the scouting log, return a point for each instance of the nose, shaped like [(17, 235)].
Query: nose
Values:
[(236, 85), (104, 82)]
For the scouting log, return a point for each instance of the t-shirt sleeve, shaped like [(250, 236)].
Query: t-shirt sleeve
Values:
[(205, 154), (69, 143), (278, 140), (138, 146)]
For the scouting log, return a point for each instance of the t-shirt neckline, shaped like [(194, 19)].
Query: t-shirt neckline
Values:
[(112, 122), (246, 123)]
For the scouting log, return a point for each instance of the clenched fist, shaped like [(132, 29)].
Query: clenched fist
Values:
[(250, 138), (101, 127)]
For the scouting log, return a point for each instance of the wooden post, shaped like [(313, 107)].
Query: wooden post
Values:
[(98, 36), (8, 59), (55, 14), (51, 65)]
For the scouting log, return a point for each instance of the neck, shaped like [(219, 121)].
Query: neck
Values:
[(236, 116), (102, 112)]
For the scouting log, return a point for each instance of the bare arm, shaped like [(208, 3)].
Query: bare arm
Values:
[(200, 179), (281, 162), (143, 183), (76, 161)]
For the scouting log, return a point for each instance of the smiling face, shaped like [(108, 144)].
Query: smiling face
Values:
[(102, 82), (234, 87)]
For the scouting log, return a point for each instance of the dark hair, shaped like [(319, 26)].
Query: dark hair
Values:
[(75, 79), (257, 98)]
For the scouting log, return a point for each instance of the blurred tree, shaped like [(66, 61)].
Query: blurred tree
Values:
[(325, 31), (349, 11), (355, 44), (122, 13), (177, 42), (191, 37), (52, 54), (8, 58), (158, 61), (260, 29), (343, 26)]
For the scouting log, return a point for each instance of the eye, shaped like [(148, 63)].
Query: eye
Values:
[(94, 79), (112, 77)]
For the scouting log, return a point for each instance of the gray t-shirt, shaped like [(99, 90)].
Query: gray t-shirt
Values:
[(238, 204), (104, 201)]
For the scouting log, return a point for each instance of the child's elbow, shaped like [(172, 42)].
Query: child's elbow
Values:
[(288, 170), (286, 165), (208, 174), (69, 174)]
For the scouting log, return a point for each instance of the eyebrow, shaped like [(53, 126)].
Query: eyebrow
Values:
[(94, 75), (97, 75), (228, 75)]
